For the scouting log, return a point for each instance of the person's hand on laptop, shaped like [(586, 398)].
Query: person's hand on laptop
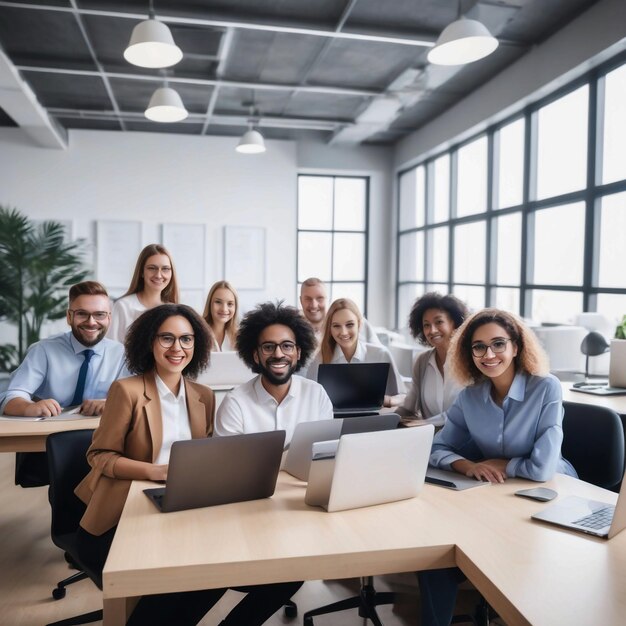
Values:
[(158, 473), (42, 408), (492, 470), (91, 407)]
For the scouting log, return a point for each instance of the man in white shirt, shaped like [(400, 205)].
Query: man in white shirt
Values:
[(314, 300), (275, 341)]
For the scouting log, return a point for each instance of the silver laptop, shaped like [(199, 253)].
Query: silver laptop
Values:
[(452, 480), (220, 470), (588, 516), (225, 371), (354, 388), (369, 468), (617, 374), (298, 459)]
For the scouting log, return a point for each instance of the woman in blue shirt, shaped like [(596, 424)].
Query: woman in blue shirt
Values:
[(506, 423)]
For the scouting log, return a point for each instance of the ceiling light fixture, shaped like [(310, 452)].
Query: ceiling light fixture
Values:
[(166, 106), (251, 141), (152, 45), (464, 41)]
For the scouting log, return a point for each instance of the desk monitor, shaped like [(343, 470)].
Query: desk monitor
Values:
[(298, 459), (354, 387), (617, 374), (369, 468), (226, 370), (220, 470)]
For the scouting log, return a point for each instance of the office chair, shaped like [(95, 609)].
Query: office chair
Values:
[(593, 442), (68, 465)]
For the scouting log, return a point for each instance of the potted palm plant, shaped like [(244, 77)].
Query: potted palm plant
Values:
[(37, 266)]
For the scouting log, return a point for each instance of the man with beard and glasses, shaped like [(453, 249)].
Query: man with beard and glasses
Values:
[(275, 341), (75, 368)]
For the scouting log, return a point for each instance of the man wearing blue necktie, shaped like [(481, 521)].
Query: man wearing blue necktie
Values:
[(75, 368)]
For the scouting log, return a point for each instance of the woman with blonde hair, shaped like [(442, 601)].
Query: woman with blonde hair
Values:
[(153, 283), (341, 344), (505, 423), (221, 313)]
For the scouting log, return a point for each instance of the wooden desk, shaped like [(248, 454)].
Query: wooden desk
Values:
[(617, 403), (18, 435), (531, 573)]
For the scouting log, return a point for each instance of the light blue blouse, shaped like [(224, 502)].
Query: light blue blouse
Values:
[(526, 429)]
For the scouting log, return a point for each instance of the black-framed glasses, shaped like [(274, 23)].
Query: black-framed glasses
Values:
[(82, 316), (498, 346), (167, 340), (269, 347)]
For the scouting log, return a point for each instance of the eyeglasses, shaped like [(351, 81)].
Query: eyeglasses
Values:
[(167, 341), (153, 269), (497, 347), (82, 316), (269, 347)]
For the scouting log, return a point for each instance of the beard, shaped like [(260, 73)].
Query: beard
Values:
[(88, 341), (272, 377)]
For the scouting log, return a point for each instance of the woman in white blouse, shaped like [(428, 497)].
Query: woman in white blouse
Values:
[(221, 313), (153, 283), (433, 320), (341, 344)]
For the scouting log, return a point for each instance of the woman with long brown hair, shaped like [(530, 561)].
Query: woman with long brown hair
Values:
[(221, 313)]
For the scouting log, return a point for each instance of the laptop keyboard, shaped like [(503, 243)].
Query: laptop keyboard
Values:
[(598, 519)]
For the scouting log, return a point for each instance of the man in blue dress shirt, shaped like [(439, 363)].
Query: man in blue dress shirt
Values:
[(72, 368)]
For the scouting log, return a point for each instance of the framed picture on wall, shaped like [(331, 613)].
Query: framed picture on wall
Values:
[(118, 244), (244, 256), (186, 243)]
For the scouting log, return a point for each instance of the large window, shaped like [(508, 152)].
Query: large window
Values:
[(530, 215), (332, 234)]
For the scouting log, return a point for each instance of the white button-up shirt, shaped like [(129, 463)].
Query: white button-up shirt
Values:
[(438, 392), (251, 409), (175, 417)]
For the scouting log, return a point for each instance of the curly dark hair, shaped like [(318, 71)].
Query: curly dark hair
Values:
[(143, 331), (266, 314), (454, 307)]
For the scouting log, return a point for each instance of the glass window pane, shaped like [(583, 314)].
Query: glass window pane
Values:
[(555, 307), (507, 299), (612, 306), (314, 255), (474, 297), (442, 288), (411, 257), (354, 291), (472, 178), (315, 202), (469, 253), (349, 256), (562, 144), (350, 203), (509, 249), (559, 245), (439, 243), (407, 294), (441, 192), (412, 198), (614, 152), (511, 164), (612, 237)]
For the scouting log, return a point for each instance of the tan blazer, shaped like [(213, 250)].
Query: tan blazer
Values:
[(131, 426)]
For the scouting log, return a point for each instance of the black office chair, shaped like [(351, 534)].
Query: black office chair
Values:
[(593, 442), (68, 465)]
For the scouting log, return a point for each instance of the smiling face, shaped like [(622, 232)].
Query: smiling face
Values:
[(170, 362), (438, 328), (89, 331), (496, 366), (157, 272), (223, 307), (344, 329), (313, 301), (277, 367)]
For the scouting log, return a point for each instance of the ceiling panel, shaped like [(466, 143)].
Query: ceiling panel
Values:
[(63, 91)]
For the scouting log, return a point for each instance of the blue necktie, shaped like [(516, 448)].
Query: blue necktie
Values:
[(82, 377)]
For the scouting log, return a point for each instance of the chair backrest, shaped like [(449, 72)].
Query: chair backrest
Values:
[(67, 463), (593, 442)]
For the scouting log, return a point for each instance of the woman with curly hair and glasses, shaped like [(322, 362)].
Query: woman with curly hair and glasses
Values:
[(143, 416), (433, 321), (505, 423)]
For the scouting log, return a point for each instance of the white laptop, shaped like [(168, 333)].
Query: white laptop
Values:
[(588, 516), (298, 459), (226, 370), (617, 374), (369, 468)]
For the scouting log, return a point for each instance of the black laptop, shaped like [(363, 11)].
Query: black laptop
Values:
[(220, 470), (354, 388)]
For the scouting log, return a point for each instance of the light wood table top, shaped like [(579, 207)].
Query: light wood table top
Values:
[(531, 573), (617, 403), (19, 435)]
